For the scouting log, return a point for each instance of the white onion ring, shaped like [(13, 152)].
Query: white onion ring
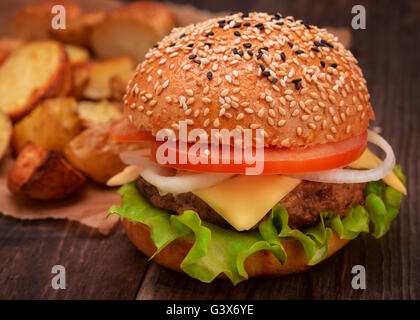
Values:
[(356, 176), (164, 177), (137, 158), (157, 176)]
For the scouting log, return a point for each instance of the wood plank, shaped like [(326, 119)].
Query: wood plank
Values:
[(97, 267)]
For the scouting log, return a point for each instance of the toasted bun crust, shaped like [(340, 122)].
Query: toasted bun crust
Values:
[(131, 30), (260, 264), (300, 85)]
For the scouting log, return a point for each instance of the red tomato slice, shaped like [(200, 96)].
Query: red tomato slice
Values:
[(124, 131), (276, 161)]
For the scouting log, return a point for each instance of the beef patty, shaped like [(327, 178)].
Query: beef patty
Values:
[(304, 204)]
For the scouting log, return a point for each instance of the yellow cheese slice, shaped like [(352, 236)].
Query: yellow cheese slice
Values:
[(244, 200), (368, 160), (129, 174)]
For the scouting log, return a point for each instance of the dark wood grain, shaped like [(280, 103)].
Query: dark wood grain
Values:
[(110, 267), (96, 266)]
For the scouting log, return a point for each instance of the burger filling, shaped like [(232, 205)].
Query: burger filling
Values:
[(309, 213), (304, 204)]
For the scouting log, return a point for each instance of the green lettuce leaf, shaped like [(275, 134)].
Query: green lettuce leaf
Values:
[(383, 205), (356, 221), (217, 250)]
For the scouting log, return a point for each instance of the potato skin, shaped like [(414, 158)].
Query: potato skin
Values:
[(93, 153), (95, 112), (5, 134), (50, 126), (44, 175)]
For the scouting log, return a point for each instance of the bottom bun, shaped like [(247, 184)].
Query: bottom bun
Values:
[(260, 264)]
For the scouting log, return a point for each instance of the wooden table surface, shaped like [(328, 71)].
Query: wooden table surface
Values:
[(99, 267)]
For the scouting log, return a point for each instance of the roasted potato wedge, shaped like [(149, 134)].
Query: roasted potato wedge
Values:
[(93, 81), (33, 22), (32, 72), (51, 125), (78, 56), (5, 134), (93, 153), (131, 30), (95, 112), (7, 46), (78, 31), (42, 174), (118, 87)]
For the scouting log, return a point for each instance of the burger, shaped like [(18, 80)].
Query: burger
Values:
[(200, 200)]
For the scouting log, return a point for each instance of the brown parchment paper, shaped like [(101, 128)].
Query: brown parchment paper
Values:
[(89, 205)]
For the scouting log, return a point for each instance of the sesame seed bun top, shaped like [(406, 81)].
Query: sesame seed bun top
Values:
[(249, 71)]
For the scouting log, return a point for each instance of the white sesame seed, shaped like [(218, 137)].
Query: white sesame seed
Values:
[(281, 123)]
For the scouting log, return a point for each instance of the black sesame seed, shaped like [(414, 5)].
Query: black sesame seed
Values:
[(193, 56), (334, 65), (318, 44), (245, 15), (221, 24), (279, 23), (290, 44), (241, 53), (155, 46), (274, 80), (276, 16), (250, 53), (207, 44), (211, 33), (322, 63), (290, 19), (262, 67), (264, 48), (297, 80), (266, 73), (259, 55), (306, 25), (182, 36), (172, 44), (327, 43), (315, 49), (283, 56), (297, 85), (237, 25), (247, 24), (221, 21), (237, 33), (260, 26), (247, 45), (235, 51), (197, 61), (190, 45), (209, 75), (299, 51)]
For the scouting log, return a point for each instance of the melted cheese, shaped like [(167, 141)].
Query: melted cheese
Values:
[(368, 160), (129, 174), (244, 200)]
